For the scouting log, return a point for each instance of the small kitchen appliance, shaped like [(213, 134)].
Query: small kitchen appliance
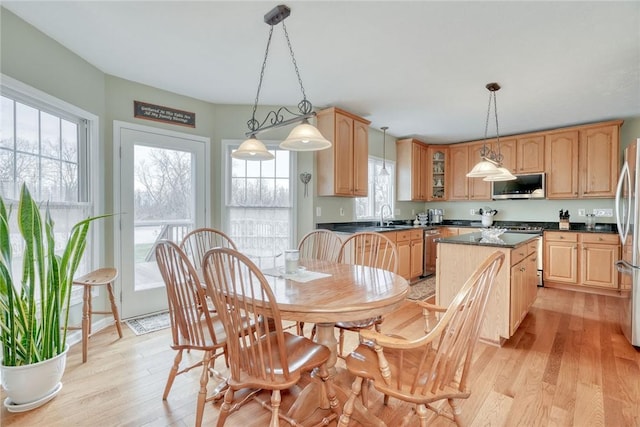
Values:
[(436, 216), (627, 218)]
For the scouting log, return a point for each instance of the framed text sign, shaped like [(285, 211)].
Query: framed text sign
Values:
[(158, 113)]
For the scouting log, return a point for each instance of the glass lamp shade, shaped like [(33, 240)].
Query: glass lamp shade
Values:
[(482, 169), (504, 175), (305, 137), (252, 149), (383, 171)]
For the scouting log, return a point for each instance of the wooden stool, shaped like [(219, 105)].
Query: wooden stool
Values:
[(100, 277)]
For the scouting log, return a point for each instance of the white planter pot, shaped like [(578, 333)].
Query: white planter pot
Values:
[(487, 220), (35, 383)]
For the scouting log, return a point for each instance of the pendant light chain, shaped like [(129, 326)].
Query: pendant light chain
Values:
[(304, 106), (495, 112), (253, 124)]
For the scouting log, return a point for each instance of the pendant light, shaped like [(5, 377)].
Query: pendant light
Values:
[(304, 137), (490, 165), (384, 171)]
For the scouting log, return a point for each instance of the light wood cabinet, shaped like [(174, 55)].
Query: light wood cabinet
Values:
[(409, 244), (581, 261), (438, 184), (478, 188), (459, 167), (583, 162), (530, 154), (412, 170), (343, 168), (523, 284)]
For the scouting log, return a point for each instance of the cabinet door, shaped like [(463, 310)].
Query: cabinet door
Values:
[(598, 267), (459, 166), (478, 189), (360, 158), (561, 160), (417, 262), (404, 258), (515, 297), (508, 150), (343, 148), (530, 154), (599, 161), (561, 262), (437, 178)]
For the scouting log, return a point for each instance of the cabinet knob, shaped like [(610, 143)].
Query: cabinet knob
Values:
[(561, 237), (600, 238)]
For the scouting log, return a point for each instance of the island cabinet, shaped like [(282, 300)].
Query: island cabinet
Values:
[(412, 170), (343, 168), (581, 261), (515, 286), (583, 162)]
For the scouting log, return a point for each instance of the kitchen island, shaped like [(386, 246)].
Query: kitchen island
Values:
[(515, 288)]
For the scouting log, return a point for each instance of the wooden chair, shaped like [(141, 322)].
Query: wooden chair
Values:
[(197, 242), (318, 244), (372, 250), (270, 358), (191, 327), (101, 277), (433, 367)]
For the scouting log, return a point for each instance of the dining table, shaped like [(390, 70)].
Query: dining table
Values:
[(325, 292)]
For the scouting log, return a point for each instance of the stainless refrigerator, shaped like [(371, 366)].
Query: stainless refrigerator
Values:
[(627, 216)]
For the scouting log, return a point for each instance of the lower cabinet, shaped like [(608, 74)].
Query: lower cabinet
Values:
[(409, 244), (581, 261), (524, 288)]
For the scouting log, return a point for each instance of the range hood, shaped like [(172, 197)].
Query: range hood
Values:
[(529, 186)]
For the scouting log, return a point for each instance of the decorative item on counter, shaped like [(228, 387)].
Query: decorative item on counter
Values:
[(422, 218), (590, 221), (487, 216), (564, 220), (305, 177)]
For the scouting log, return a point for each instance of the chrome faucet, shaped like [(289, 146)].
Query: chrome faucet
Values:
[(382, 213)]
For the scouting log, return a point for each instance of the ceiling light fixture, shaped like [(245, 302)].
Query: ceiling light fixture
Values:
[(490, 165), (384, 171), (304, 137)]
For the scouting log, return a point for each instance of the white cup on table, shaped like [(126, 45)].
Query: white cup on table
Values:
[(291, 257)]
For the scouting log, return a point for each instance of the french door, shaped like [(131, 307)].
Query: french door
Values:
[(161, 192)]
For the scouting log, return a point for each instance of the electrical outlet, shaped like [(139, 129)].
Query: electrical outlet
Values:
[(581, 212), (341, 211), (472, 211), (413, 212), (318, 211), (396, 212), (603, 212)]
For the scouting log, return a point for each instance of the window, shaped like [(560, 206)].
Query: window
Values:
[(381, 190), (259, 204), (44, 143)]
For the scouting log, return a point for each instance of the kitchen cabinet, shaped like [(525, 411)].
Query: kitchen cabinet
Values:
[(523, 285), (343, 168), (478, 188), (530, 154), (581, 261), (437, 175), (412, 170), (459, 167), (583, 162), (409, 244)]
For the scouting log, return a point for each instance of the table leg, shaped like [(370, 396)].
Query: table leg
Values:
[(326, 337)]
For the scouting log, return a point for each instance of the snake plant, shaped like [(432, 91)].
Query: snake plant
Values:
[(34, 306)]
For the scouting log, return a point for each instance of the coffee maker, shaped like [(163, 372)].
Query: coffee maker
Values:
[(435, 216)]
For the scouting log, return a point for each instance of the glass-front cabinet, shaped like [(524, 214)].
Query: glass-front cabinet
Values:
[(438, 173)]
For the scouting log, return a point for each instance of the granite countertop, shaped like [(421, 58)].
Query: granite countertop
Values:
[(506, 240), (545, 226)]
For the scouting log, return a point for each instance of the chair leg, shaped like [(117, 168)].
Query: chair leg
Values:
[(328, 389), (345, 418), (275, 408), (423, 414), (114, 309), (341, 343), (225, 409), (86, 321), (172, 374), (455, 409), (202, 394)]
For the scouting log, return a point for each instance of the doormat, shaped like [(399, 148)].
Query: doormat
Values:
[(423, 289), (151, 323)]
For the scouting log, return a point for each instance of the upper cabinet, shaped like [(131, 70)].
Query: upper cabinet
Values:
[(583, 162), (521, 155), (438, 185), (342, 169), (459, 166), (412, 169), (478, 188)]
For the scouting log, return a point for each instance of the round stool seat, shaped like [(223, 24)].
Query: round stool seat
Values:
[(100, 277)]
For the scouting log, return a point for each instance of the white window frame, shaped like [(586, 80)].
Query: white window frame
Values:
[(89, 167), (226, 147), (373, 177)]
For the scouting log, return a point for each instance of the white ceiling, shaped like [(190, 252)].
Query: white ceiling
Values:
[(419, 67)]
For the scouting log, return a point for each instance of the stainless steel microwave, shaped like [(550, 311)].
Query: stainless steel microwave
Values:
[(529, 186)]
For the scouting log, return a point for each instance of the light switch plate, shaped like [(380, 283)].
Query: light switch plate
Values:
[(318, 211), (581, 212)]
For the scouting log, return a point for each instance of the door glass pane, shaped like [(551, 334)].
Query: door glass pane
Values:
[(163, 206)]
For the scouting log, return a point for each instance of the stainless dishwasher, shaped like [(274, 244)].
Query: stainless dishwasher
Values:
[(429, 252)]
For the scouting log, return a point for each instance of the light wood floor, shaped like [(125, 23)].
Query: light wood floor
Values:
[(567, 365)]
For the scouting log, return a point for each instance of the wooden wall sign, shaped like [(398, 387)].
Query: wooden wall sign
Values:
[(158, 113)]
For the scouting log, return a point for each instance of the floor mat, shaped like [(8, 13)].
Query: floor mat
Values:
[(423, 289), (151, 323)]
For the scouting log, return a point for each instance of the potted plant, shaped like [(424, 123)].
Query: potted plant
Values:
[(34, 305)]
